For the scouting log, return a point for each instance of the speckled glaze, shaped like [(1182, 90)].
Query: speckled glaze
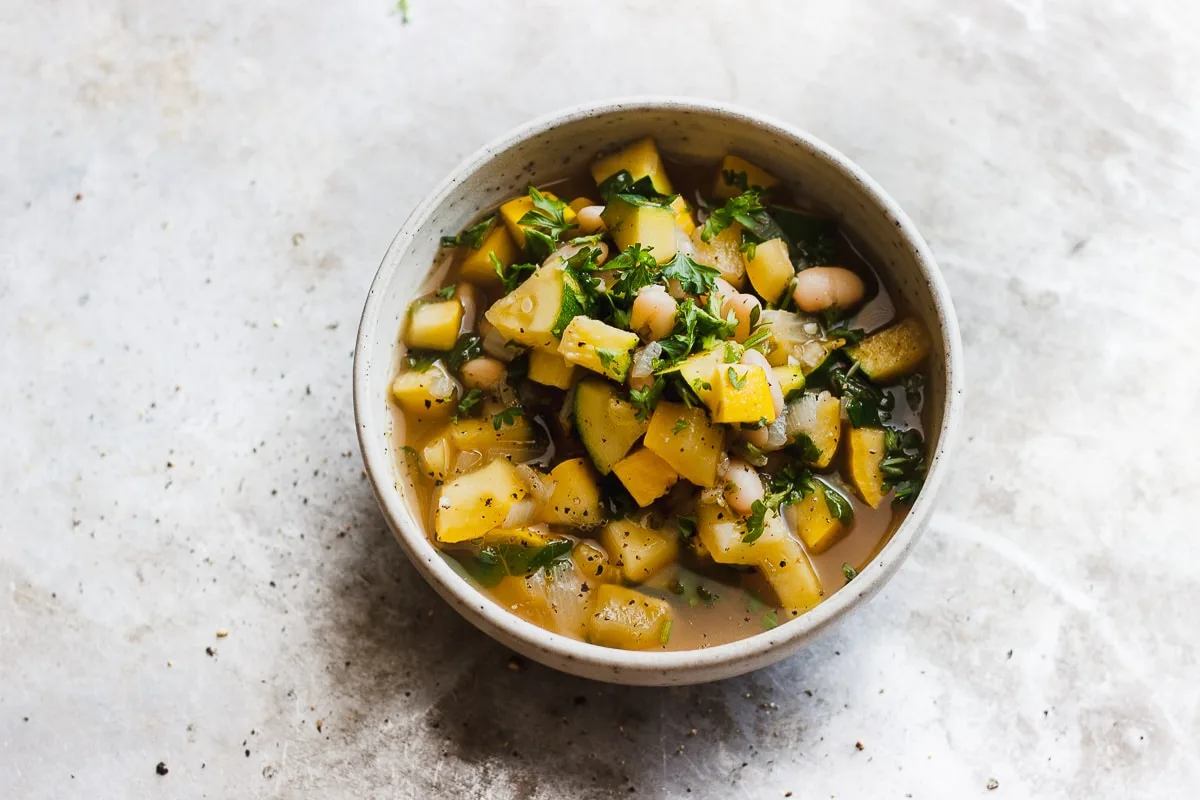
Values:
[(546, 149)]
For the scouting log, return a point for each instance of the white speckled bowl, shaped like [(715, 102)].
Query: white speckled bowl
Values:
[(546, 149)]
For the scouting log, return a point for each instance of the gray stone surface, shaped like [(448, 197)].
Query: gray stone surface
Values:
[(193, 201)]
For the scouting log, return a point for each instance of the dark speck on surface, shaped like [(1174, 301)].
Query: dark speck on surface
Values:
[(161, 768)]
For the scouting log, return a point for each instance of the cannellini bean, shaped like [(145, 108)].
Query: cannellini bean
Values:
[(742, 306), (653, 314), (567, 250), (589, 219), (754, 358), (742, 486), (468, 297), (482, 373), (724, 289), (759, 437), (821, 288)]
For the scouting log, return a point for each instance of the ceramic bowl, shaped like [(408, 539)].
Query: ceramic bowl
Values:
[(549, 148)]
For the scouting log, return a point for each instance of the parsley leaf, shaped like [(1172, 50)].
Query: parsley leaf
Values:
[(738, 209), (645, 399), (849, 572), (789, 485), (734, 381), (755, 524), (903, 464), (693, 277), (735, 178), (752, 454), (607, 357), (664, 633), (472, 236), (637, 268), (549, 556), (806, 448), (468, 346), (838, 505), (513, 275), (467, 404), (507, 417), (687, 527), (866, 404), (623, 183), (446, 292), (770, 620), (681, 424), (419, 361), (543, 224)]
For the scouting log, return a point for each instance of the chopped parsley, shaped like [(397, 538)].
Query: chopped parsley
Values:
[(468, 346), (664, 633), (419, 361), (740, 209), (622, 183), (607, 357), (687, 527), (903, 464), (513, 275), (549, 556), (496, 562), (838, 505), (507, 417), (706, 595), (473, 236), (467, 404), (849, 572), (681, 425), (694, 277), (734, 380), (544, 224), (637, 268), (735, 178), (866, 404), (446, 292), (914, 387), (644, 400), (770, 620)]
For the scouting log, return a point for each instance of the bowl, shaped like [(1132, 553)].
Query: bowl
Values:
[(548, 148)]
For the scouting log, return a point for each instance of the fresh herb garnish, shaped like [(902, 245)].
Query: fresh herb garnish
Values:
[(544, 224), (731, 353), (758, 339), (740, 209), (806, 448), (752, 454), (694, 277), (409, 451), (467, 404), (755, 523), (840, 331), (811, 239), (513, 275), (849, 572), (770, 620), (468, 346), (838, 505), (420, 361), (914, 386), (664, 633), (507, 417), (734, 380), (547, 557), (607, 357), (866, 404), (903, 464), (707, 595), (645, 399), (736, 179), (788, 485), (637, 268), (623, 183), (687, 527), (446, 292), (494, 563), (473, 236), (681, 425)]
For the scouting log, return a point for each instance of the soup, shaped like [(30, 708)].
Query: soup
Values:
[(660, 405)]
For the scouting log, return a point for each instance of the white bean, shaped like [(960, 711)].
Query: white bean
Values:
[(589, 219), (821, 288), (653, 314), (742, 486), (482, 373), (743, 306), (754, 358), (567, 250), (724, 289), (756, 436)]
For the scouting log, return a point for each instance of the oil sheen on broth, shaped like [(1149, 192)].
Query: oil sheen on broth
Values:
[(852, 456)]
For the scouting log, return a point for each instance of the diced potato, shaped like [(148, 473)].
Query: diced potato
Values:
[(770, 271), (434, 325), (599, 347), (427, 396), (514, 441), (700, 370), (550, 369), (595, 565), (723, 254), (687, 440), (793, 579), (867, 448), (627, 619), (537, 311), (512, 211), (683, 215), (640, 552), (525, 597), (473, 504), (478, 268), (652, 226), (640, 159), (575, 500), (729, 181), (892, 352), (437, 457), (819, 417), (580, 203), (557, 603), (645, 475), (743, 394), (816, 525), (790, 378)]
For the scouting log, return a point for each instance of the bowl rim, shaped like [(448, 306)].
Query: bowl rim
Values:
[(732, 657)]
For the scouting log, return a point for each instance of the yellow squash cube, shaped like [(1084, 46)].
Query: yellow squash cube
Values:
[(550, 369), (867, 448), (687, 440), (816, 525), (819, 417), (639, 551), (892, 352), (627, 619), (792, 578), (743, 394), (473, 504), (790, 378), (651, 226), (428, 395), (737, 174), (699, 371), (514, 441), (645, 475), (512, 211), (478, 268), (434, 325), (575, 500), (640, 159), (599, 347), (723, 254), (770, 271), (594, 564), (683, 215)]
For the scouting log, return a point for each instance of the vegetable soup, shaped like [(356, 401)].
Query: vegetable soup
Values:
[(660, 405)]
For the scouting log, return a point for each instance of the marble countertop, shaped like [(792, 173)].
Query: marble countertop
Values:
[(195, 198)]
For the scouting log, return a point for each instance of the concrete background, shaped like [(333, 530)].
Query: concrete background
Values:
[(193, 200)]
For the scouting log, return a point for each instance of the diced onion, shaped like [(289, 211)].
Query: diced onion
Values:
[(521, 513), (777, 433), (643, 360), (443, 384)]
